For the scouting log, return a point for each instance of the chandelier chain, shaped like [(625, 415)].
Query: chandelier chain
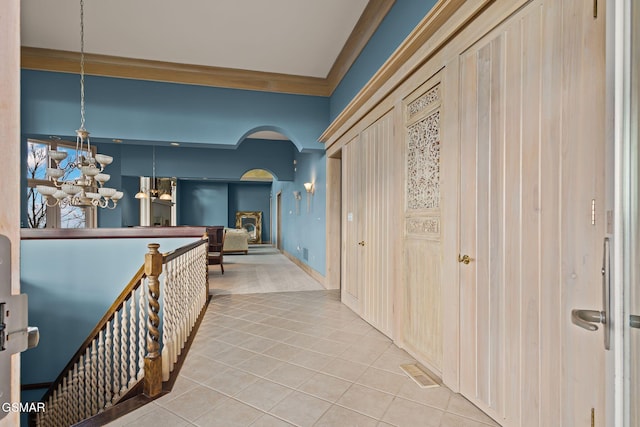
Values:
[(82, 65)]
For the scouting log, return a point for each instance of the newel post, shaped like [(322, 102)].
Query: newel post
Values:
[(153, 360)]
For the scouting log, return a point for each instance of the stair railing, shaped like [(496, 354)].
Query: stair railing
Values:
[(123, 355)]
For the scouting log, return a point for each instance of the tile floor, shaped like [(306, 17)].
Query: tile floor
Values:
[(297, 358)]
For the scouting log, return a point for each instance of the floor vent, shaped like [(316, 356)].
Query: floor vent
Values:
[(419, 375)]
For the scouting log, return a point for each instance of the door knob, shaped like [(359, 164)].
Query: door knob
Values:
[(465, 259)]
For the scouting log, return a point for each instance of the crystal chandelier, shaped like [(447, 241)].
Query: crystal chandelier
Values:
[(88, 189)]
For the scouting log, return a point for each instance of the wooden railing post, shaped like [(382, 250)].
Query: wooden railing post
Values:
[(153, 360)]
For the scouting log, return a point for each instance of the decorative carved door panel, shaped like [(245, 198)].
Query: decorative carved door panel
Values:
[(422, 313)]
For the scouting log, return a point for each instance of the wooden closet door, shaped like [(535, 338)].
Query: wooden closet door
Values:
[(368, 225), (531, 162), (352, 199)]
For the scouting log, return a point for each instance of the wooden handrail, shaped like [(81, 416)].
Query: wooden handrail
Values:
[(183, 250), (139, 370), (133, 284)]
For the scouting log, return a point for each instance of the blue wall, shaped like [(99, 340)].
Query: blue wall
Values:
[(395, 27), (251, 197), (202, 203), (301, 229), (129, 204), (136, 110), (210, 163)]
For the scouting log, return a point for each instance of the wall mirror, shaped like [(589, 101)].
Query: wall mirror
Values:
[(252, 222)]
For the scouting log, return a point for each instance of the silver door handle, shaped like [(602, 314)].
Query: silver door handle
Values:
[(587, 319), (634, 321)]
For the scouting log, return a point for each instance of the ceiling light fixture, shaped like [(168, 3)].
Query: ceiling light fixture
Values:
[(80, 182), (154, 192)]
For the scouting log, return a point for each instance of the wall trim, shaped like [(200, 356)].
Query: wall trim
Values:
[(366, 26), (139, 69), (305, 267), (399, 67)]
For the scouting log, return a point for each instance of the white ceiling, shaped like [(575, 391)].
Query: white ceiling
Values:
[(299, 37)]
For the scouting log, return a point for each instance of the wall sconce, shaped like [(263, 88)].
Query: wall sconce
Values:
[(309, 187), (297, 196)]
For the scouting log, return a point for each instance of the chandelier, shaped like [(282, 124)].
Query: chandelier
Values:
[(88, 189), (153, 192)]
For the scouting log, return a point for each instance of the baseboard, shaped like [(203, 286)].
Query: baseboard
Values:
[(310, 271)]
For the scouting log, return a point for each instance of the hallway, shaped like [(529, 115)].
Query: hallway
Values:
[(297, 358)]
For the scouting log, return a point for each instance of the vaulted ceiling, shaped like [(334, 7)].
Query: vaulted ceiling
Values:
[(294, 46)]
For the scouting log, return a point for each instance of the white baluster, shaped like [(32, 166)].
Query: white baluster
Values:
[(101, 370), (116, 358), (132, 341), (75, 402), (124, 334), (81, 388), (108, 345), (87, 384), (93, 392), (142, 330)]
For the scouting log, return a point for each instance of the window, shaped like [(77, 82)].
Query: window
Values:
[(39, 215)]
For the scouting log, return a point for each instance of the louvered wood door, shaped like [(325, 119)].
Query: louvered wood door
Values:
[(367, 201), (531, 162)]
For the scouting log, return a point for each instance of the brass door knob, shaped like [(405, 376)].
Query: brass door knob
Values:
[(465, 259)]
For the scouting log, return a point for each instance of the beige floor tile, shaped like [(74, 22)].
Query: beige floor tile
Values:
[(231, 414), (263, 394), (437, 397), (260, 364), (234, 356), (365, 400), (330, 348), (290, 375), (301, 340), (451, 420), (338, 416), (258, 344), (382, 380), (310, 360), (282, 351), (458, 405), (231, 381), (325, 387), (270, 421), (198, 367), (344, 369), (195, 402), (182, 385), (300, 409), (158, 417), (404, 413)]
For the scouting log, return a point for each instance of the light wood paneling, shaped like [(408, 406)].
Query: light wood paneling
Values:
[(421, 319), (530, 166), (368, 271)]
